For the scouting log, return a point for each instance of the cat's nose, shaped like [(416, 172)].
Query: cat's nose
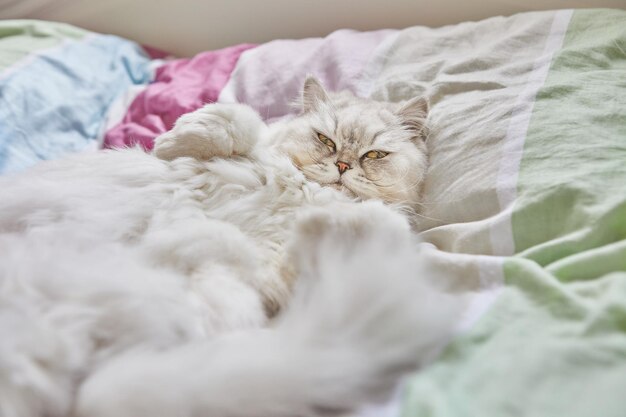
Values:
[(342, 166)]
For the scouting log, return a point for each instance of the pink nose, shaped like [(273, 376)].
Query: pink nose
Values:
[(342, 166)]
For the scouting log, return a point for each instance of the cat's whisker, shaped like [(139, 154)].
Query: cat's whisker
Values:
[(423, 216)]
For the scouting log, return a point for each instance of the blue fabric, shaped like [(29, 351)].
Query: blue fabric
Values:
[(55, 102)]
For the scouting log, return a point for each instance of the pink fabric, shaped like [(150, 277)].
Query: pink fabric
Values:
[(156, 53), (180, 86)]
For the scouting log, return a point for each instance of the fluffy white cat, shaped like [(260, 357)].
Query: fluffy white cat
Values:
[(235, 272)]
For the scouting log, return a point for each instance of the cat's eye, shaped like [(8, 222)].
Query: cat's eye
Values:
[(375, 154), (326, 141)]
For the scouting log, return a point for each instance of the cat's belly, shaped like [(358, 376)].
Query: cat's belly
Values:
[(263, 202)]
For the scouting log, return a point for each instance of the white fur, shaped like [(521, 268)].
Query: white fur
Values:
[(137, 286)]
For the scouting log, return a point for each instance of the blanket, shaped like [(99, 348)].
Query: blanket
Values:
[(525, 199)]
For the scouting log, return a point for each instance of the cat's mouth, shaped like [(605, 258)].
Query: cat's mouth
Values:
[(338, 185)]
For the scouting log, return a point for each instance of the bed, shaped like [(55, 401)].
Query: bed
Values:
[(525, 199)]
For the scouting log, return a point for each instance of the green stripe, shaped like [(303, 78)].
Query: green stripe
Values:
[(20, 38), (572, 176), (569, 228)]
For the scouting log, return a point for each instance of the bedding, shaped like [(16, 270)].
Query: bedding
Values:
[(525, 200)]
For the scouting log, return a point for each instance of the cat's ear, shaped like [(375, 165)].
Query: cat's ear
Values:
[(313, 94), (413, 114)]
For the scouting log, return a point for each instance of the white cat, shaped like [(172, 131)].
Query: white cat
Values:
[(221, 276)]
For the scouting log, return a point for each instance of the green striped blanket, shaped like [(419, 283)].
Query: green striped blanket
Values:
[(526, 203)]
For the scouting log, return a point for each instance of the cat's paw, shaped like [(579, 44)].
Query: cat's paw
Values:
[(347, 224), (215, 130), (362, 282), (347, 230)]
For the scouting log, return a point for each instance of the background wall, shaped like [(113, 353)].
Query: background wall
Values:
[(185, 27)]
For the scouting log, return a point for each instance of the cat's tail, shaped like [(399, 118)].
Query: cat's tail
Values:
[(362, 316)]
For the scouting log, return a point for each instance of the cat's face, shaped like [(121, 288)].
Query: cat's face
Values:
[(365, 148)]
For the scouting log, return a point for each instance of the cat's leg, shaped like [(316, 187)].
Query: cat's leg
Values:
[(215, 130), (361, 317)]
